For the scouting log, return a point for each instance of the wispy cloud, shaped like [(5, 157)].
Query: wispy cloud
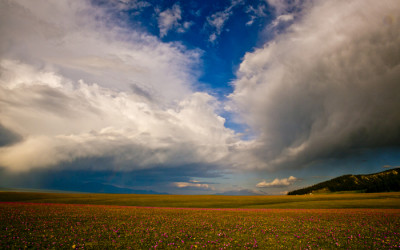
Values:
[(217, 20), (184, 27), (286, 11), (282, 19), (169, 19), (277, 182), (284, 6), (255, 13), (129, 4)]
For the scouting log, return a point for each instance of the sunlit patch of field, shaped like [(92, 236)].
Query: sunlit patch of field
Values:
[(355, 200), (103, 227)]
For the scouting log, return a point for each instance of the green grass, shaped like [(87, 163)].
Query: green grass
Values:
[(353, 200)]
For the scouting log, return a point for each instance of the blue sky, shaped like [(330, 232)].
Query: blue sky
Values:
[(197, 97)]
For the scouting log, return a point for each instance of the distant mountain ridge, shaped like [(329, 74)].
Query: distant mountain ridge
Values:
[(241, 192), (386, 181)]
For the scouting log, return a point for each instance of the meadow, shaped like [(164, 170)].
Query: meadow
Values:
[(346, 200), (276, 222), (55, 226)]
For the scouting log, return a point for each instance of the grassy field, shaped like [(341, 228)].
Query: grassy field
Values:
[(355, 200), (66, 226), (106, 221)]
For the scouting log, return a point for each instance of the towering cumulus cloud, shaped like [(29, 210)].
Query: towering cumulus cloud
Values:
[(327, 86), (74, 85)]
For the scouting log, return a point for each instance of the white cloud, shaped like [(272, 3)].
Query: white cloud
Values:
[(282, 19), (62, 121), (326, 87), (191, 184), (277, 182), (79, 41), (83, 87), (169, 19)]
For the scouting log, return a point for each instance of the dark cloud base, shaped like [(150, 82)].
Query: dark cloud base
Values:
[(80, 176)]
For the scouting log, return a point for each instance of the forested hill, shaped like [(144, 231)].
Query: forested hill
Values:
[(385, 181)]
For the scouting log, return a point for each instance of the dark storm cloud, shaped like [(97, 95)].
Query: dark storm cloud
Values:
[(327, 87)]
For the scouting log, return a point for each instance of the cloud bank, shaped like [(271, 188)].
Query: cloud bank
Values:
[(326, 87), (73, 85), (61, 121), (80, 41)]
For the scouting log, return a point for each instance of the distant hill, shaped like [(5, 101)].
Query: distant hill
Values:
[(241, 192), (386, 181)]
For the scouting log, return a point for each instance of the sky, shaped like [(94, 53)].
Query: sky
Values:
[(197, 97)]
